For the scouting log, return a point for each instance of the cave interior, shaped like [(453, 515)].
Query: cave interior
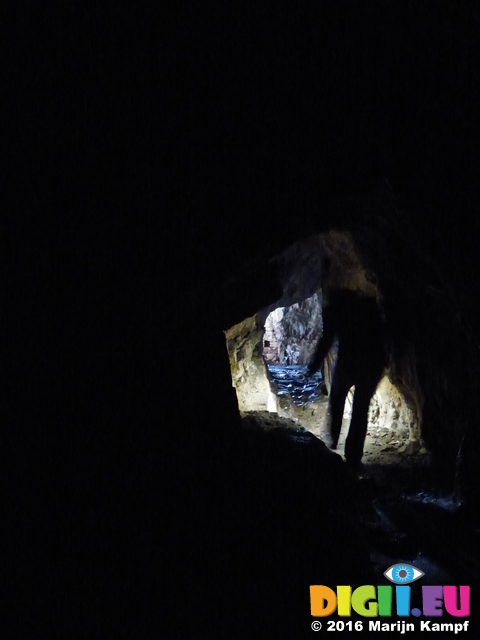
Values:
[(416, 498), (239, 509), (180, 177), (270, 351)]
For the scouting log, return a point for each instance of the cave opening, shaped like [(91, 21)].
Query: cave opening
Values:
[(289, 340), (269, 354)]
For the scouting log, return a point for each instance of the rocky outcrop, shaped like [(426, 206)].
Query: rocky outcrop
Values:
[(249, 374), (291, 333)]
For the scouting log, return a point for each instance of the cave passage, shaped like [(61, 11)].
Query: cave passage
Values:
[(398, 497), (291, 334), (269, 353)]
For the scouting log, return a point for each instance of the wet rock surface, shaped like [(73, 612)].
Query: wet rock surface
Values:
[(295, 380), (400, 510)]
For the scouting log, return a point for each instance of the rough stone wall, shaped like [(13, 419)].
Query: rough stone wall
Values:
[(249, 373), (343, 266), (272, 339), (291, 333), (392, 413)]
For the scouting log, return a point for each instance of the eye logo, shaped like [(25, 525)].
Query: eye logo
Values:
[(403, 574)]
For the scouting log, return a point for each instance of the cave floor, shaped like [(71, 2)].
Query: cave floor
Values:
[(382, 445), (407, 508), (299, 398)]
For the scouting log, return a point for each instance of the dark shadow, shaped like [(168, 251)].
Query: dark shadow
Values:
[(355, 320)]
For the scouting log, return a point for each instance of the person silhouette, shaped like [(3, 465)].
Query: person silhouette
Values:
[(355, 321)]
